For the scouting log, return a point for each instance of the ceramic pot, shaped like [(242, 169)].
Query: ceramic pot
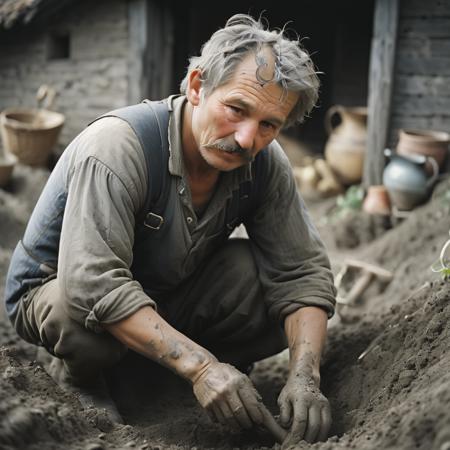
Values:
[(406, 179), (377, 201), (424, 142), (7, 163), (346, 144)]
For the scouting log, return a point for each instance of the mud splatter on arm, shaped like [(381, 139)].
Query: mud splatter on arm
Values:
[(306, 333), (147, 333)]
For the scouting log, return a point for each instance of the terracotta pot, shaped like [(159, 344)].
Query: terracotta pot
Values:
[(7, 163), (424, 142), (377, 201), (346, 145)]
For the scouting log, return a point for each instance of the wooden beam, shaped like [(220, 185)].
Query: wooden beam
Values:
[(381, 73), (150, 50), (161, 45), (137, 50)]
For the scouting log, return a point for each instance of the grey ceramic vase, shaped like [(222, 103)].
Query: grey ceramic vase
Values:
[(406, 179)]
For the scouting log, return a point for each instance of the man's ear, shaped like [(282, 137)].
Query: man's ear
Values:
[(194, 85)]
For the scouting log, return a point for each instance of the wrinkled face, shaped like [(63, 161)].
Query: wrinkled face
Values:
[(237, 120)]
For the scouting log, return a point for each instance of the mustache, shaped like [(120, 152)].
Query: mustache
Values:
[(230, 146)]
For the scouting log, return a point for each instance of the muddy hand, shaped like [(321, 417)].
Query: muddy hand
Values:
[(305, 410), (229, 396)]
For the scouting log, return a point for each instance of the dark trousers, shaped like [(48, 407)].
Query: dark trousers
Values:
[(221, 307)]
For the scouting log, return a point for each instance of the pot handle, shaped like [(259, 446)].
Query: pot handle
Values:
[(435, 168), (335, 109)]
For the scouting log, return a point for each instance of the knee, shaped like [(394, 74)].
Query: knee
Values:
[(70, 341), (87, 354), (86, 347)]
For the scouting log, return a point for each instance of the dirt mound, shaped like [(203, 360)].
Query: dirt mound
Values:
[(33, 409), (386, 369), (390, 389), (36, 414)]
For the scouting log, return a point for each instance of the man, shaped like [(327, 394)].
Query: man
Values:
[(87, 283)]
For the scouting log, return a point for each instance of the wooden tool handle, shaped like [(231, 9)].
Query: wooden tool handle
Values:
[(358, 288)]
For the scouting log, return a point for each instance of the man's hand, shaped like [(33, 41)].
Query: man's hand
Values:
[(229, 396), (304, 410)]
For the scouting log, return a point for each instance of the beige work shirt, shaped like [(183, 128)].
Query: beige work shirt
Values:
[(106, 180)]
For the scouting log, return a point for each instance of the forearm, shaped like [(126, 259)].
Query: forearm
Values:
[(147, 333), (306, 331)]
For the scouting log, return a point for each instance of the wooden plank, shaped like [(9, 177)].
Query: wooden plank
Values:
[(435, 27), (415, 105), (422, 84), (401, 121), (407, 64), (137, 50), (380, 87), (440, 47), (440, 123), (421, 8), (420, 47)]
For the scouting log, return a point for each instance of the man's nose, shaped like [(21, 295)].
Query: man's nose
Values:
[(245, 135)]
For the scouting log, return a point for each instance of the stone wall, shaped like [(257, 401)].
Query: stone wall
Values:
[(90, 82), (421, 96)]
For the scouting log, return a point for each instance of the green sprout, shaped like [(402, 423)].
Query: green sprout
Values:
[(443, 265), (352, 200)]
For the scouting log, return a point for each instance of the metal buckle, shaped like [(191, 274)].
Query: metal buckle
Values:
[(153, 221)]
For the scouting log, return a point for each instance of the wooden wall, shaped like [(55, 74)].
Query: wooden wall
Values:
[(421, 95)]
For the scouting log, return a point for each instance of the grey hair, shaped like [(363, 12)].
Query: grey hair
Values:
[(227, 47)]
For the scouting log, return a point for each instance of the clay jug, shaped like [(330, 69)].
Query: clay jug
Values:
[(346, 145), (406, 179), (424, 142)]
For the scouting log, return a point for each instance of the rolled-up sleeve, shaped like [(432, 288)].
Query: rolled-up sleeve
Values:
[(293, 264), (96, 247)]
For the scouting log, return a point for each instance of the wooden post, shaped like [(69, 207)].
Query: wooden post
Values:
[(150, 50), (137, 50), (381, 72), (160, 56)]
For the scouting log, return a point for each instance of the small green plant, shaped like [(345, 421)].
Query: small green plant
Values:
[(352, 200), (443, 265)]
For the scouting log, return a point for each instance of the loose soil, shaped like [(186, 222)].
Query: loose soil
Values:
[(386, 368)]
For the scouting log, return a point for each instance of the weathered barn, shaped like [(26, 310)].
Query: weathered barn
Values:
[(394, 54)]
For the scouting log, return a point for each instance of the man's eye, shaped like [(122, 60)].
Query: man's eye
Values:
[(268, 125), (235, 109)]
